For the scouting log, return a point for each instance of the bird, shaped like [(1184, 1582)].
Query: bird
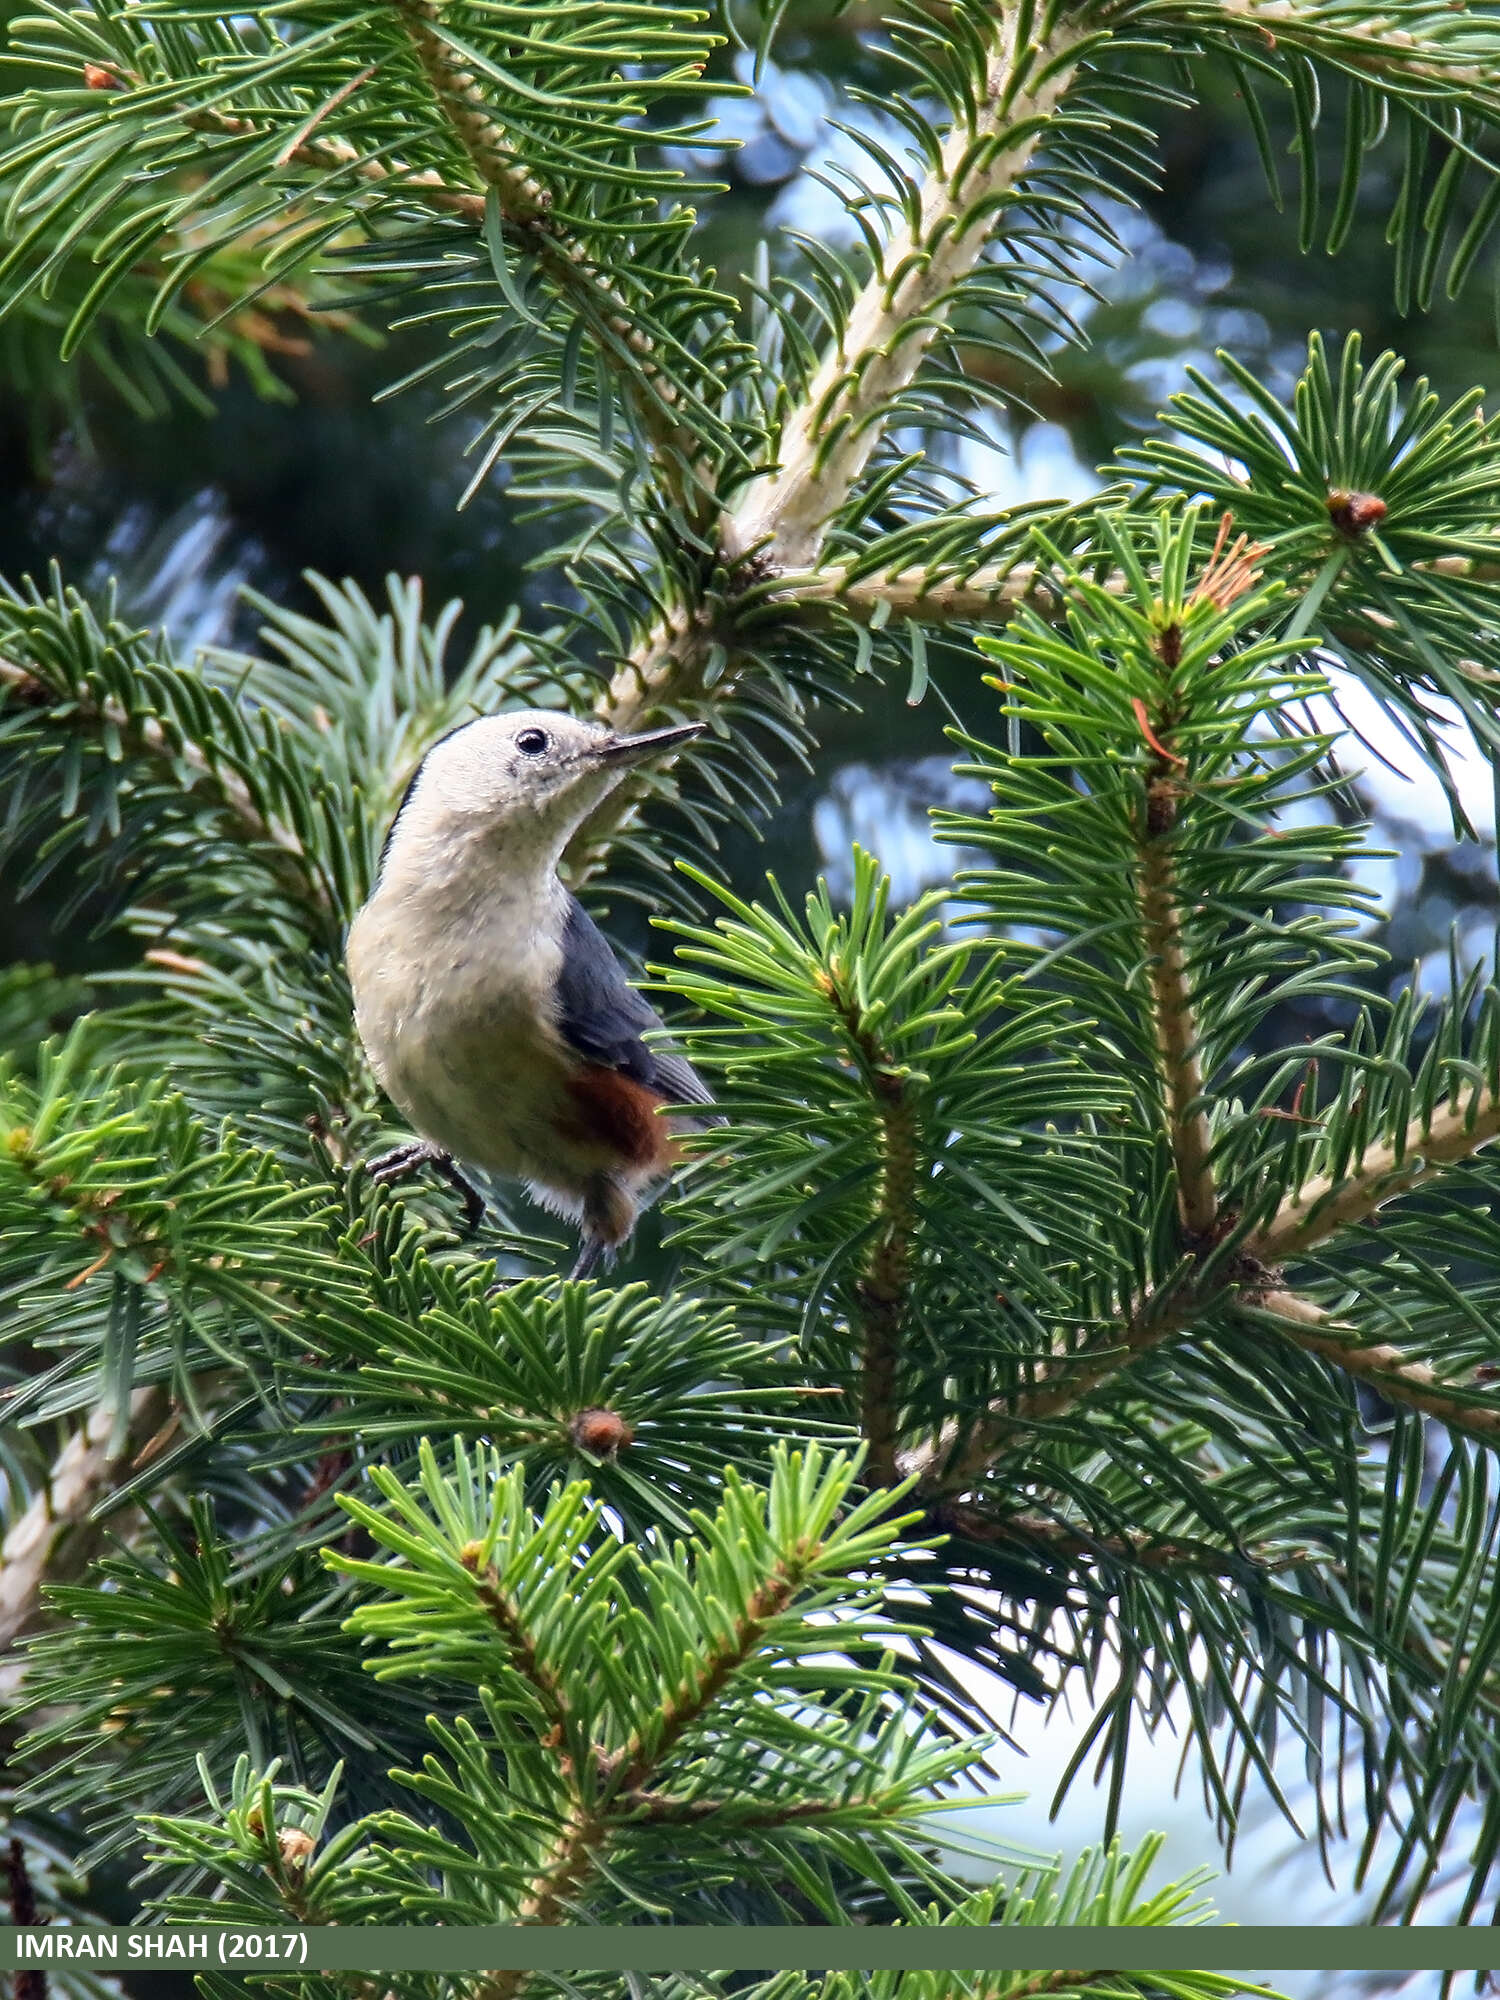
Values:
[(492, 1009)]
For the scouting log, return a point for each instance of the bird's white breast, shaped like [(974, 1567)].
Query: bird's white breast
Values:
[(453, 993)]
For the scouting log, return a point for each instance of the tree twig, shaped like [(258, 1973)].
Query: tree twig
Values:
[(50, 1540), (230, 791), (990, 595), (883, 1288), (29, 1981), (1322, 1207), (507, 1618), (826, 441), (1070, 1544), (1172, 1006), (951, 1465), (526, 203), (625, 1776), (1385, 1367)]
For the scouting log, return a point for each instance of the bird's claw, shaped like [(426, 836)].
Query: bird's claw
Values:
[(403, 1161), (594, 1255), (400, 1163)]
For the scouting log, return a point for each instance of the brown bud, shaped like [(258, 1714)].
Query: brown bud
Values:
[(601, 1432), (1355, 513), (100, 79), (295, 1845)]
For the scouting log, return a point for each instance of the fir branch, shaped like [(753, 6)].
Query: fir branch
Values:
[(550, 1900), (780, 519), (883, 1287), (950, 1466), (323, 155), (523, 198), (1372, 45), (1321, 1208), (659, 1809), (506, 1616), (526, 206), (145, 736), (631, 1768), (1172, 1002), (51, 1540), (990, 595), (330, 155), (827, 440), (1383, 1366), (661, 676), (884, 1284), (1066, 1543), (953, 1463)]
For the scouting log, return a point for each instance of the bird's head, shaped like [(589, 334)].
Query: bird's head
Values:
[(525, 779)]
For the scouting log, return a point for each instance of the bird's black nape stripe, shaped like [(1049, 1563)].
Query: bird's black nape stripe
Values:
[(390, 834), (411, 783)]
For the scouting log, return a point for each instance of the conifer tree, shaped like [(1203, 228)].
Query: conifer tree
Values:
[(1039, 1307)]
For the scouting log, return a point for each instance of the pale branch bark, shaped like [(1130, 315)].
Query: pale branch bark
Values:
[(51, 1539), (952, 1464), (827, 439), (1323, 1207), (884, 1286), (1175, 1021), (230, 792), (1383, 1366), (990, 595)]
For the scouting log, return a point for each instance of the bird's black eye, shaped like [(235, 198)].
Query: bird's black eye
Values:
[(532, 742)]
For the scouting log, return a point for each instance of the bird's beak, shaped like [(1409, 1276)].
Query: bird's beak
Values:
[(635, 749)]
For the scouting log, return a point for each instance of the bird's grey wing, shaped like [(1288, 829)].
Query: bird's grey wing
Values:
[(603, 1017)]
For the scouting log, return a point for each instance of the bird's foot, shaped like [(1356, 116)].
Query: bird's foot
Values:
[(609, 1212), (403, 1161), (594, 1255)]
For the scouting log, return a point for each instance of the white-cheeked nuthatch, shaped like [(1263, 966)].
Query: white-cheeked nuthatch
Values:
[(490, 1006)]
